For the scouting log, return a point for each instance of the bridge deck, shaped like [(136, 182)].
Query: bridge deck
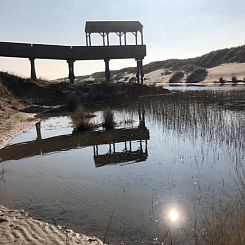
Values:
[(43, 51)]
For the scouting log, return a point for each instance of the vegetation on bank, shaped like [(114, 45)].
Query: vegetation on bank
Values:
[(108, 119)]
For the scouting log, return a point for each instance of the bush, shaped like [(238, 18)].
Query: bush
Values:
[(221, 80), (177, 76), (132, 80), (108, 121), (80, 119), (197, 75), (234, 79)]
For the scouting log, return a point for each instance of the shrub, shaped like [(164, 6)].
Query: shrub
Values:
[(132, 80), (234, 79), (221, 80), (197, 75), (80, 119), (108, 122), (176, 77)]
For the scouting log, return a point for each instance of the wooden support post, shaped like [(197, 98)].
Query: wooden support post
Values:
[(120, 38), (107, 71), (138, 72), (71, 75), (103, 39), (33, 70), (108, 40), (89, 37), (114, 148), (86, 39), (141, 72), (136, 38), (126, 148), (125, 38), (141, 148), (38, 130), (130, 146), (142, 39)]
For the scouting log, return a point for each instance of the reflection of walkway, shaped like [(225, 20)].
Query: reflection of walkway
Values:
[(66, 142)]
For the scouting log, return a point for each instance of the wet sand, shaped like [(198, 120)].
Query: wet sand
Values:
[(16, 227)]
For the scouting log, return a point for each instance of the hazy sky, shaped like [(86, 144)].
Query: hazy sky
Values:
[(172, 28)]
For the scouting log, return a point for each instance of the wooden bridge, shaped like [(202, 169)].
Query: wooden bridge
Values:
[(71, 54)]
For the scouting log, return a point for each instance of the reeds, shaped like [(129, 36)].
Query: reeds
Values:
[(81, 119), (108, 119)]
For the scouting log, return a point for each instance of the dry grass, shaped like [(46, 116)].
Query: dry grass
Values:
[(81, 119), (108, 119)]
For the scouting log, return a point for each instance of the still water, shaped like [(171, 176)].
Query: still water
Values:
[(168, 161)]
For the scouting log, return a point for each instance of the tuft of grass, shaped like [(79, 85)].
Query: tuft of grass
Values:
[(80, 119), (108, 122)]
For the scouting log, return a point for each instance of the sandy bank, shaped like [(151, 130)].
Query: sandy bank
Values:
[(16, 227), (13, 124)]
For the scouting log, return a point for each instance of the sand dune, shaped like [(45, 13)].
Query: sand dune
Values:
[(227, 71), (16, 227)]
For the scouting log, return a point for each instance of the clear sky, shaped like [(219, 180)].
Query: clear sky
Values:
[(172, 28)]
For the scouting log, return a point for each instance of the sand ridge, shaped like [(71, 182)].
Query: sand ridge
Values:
[(16, 227)]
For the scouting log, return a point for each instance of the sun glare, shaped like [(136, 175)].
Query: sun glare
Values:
[(173, 215)]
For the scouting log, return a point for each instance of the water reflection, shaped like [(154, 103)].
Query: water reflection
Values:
[(194, 141), (75, 140)]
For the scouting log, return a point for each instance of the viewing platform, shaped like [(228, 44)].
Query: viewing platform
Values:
[(71, 54)]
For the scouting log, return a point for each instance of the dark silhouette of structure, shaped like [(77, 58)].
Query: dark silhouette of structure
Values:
[(84, 139), (71, 54)]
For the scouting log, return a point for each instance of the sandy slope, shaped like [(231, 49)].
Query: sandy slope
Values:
[(227, 71), (16, 227)]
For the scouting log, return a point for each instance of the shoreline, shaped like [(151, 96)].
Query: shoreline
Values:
[(17, 227), (16, 124)]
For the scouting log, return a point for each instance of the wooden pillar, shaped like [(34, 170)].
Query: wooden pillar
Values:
[(38, 130), (142, 40), (136, 38), (71, 75), (141, 72), (103, 35), (89, 38), (138, 72), (120, 38), (114, 148), (107, 71), (108, 40), (33, 70), (86, 39), (125, 38)]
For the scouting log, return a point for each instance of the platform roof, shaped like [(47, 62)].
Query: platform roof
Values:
[(113, 26)]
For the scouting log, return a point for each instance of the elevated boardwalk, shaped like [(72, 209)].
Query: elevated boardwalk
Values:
[(71, 54)]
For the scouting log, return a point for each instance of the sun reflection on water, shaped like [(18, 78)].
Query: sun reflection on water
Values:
[(174, 215)]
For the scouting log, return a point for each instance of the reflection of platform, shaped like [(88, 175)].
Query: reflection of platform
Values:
[(120, 157), (72, 141)]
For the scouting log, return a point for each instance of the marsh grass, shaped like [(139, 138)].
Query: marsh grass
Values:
[(108, 119), (81, 119)]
